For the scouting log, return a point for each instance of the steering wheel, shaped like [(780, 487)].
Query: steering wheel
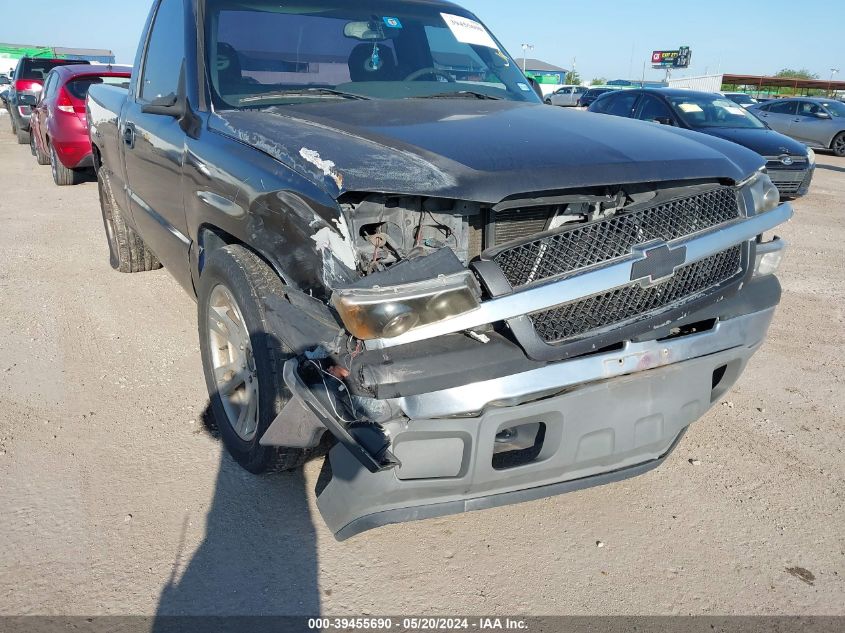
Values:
[(431, 70)]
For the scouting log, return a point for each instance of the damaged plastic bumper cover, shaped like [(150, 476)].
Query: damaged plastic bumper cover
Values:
[(622, 414)]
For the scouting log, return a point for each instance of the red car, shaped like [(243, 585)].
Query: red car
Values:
[(59, 123)]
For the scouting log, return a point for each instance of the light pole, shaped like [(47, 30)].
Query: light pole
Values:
[(833, 71), (525, 49)]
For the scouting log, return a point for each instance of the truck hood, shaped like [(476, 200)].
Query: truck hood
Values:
[(764, 142), (483, 151)]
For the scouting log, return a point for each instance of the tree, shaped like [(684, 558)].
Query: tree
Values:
[(789, 73), (598, 81), (573, 78)]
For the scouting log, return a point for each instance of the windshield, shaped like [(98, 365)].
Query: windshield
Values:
[(704, 111), (37, 69), (836, 108), (264, 52)]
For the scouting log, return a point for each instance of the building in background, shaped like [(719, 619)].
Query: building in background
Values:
[(702, 83), (549, 76), (11, 53)]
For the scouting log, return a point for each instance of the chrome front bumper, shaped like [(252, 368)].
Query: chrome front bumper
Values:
[(606, 418), (632, 359)]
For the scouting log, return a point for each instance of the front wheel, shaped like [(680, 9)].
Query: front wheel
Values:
[(838, 146), (242, 358)]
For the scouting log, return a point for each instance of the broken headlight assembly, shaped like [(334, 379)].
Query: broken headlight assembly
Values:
[(390, 311), (763, 192)]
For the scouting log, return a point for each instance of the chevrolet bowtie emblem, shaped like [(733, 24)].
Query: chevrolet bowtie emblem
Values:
[(657, 262)]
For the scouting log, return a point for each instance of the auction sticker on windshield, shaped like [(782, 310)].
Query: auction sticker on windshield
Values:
[(690, 107), (469, 31)]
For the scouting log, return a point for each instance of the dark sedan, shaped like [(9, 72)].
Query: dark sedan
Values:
[(586, 99), (790, 163)]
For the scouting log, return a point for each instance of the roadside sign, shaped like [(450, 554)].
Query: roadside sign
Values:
[(680, 58)]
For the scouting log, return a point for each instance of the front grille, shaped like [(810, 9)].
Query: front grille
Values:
[(788, 181), (598, 242), (786, 188), (632, 303)]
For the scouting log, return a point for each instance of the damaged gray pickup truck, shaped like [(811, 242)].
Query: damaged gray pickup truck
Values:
[(399, 253)]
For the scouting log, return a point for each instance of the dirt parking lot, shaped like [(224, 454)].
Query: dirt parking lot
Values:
[(116, 499)]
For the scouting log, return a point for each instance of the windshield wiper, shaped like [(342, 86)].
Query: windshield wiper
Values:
[(461, 94), (304, 92)]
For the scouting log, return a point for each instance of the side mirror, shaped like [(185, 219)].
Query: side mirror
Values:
[(822, 115), (177, 107), (168, 105)]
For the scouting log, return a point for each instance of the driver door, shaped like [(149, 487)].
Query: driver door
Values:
[(154, 146)]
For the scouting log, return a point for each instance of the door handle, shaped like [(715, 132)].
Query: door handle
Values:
[(129, 135)]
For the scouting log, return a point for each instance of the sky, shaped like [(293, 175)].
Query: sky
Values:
[(605, 38)]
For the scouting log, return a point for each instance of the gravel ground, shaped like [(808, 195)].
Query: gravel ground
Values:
[(114, 498)]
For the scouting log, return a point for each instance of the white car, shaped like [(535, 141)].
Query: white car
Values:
[(566, 96)]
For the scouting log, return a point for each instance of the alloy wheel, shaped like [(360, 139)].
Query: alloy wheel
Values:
[(233, 363)]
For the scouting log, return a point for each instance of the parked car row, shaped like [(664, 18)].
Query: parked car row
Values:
[(47, 111), (783, 131), (789, 162)]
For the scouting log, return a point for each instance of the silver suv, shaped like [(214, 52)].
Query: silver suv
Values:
[(818, 123)]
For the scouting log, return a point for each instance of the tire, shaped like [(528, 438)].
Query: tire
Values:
[(23, 136), (548, 102), (838, 145), (63, 176), (234, 276), (127, 251), (40, 156), (12, 122)]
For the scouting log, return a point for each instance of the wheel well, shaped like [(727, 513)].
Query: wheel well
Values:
[(210, 238)]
